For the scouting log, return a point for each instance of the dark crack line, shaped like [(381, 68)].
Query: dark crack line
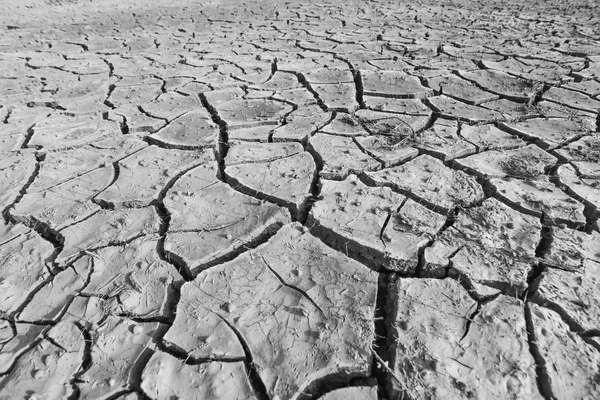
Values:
[(380, 344), (546, 237), (54, 237), (102, 203), (534, 278), (387, 221), (590, 212), (470, 321), (252, 369), (9, 240), (188, 359), (8, 218), (421, 261), (9, 111), (176, 261), (315, 187), (344, 245), (478, 148), (107, 101), (147, 114), (123, 125), (223, 147), (542, 377), (302, 80), (86, 362), (294, 288), (165, 218), (358, 82), (83, 46), (136, 372), (568, 142), (49, 104), (111, 67), (384, 225), (28, 136)]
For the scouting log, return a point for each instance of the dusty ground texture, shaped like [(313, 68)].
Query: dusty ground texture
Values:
[(299, 200)]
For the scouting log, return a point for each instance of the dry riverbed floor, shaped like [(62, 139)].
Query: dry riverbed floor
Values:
[(299, 200)]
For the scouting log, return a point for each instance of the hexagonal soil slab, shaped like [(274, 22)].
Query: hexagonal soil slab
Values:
[(549, 133), (344, 124), (285, 181), (584, 155), (245, 113), (489, 137), (374, 224), (192, 130), (442, 141), (451, 108), (117, 346), (442, 348), (299, 317), (106, 228), (430, 181), (529, 162), (517, 89), (340, 156), (491, 246), (571, 364), (453, 86), (585, 189), (144, 175), (211, 221), (50, 367), (540, 197), (393, 84), (62, 131), (389, 155), (16, 170), (300, 124), (573, 294), (23, 254), (572, 99), (573, 250), (165, 377), (338, 96)]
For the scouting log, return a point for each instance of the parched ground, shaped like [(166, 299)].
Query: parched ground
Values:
[(299, 200)]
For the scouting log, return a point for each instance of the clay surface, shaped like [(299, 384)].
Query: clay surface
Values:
[(276, 200), (446, 347)]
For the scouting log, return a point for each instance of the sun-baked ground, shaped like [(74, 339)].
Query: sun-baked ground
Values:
[(299, 200)]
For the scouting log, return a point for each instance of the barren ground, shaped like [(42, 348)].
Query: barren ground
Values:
[(299, 200)]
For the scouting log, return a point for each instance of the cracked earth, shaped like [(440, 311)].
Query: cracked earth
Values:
[(275, 200)]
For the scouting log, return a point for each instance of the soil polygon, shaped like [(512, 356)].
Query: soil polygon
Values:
[(291, 200)]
